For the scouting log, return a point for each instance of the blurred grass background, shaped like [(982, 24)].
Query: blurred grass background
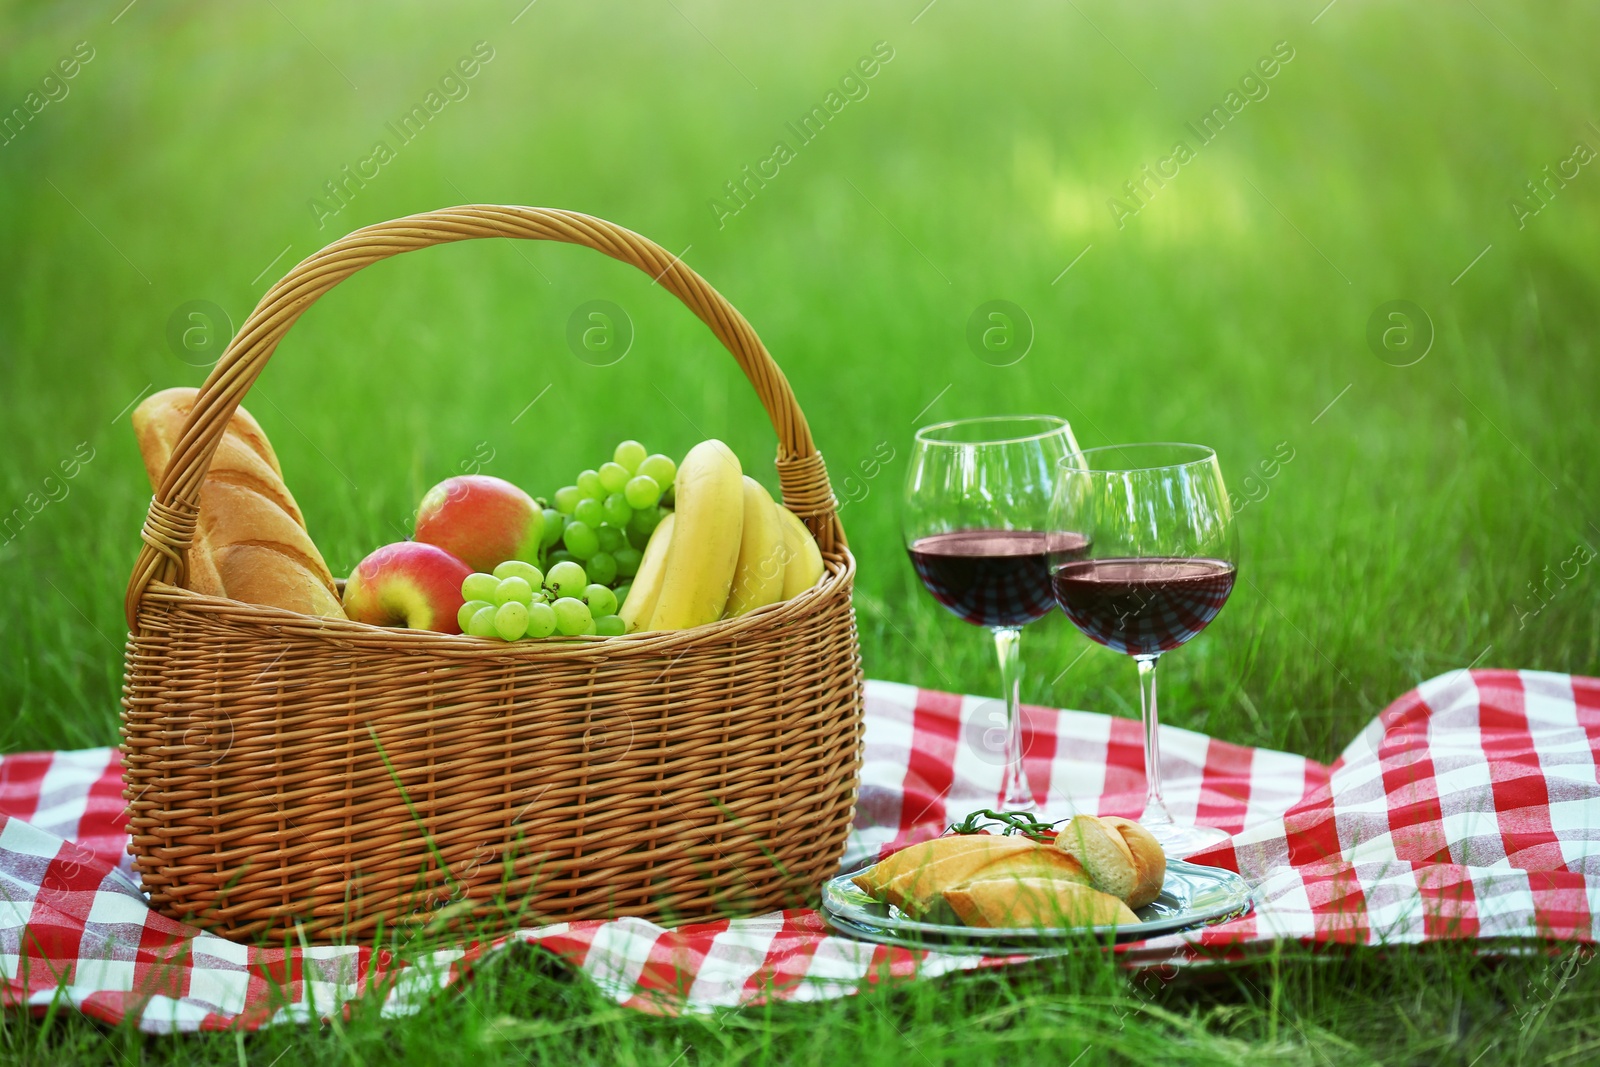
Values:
[(1423, 506)]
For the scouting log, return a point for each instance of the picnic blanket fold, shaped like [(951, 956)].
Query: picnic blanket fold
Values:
[(1466, 810)]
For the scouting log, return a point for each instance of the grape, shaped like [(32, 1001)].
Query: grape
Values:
[(642, 525), (628, 560), (602, 567), (468, 610), (610, 626), (642, 491), (659, 467), (565, 579), (479, 586), (611, 538), (581, 540), (572, 616), (515, 568), (514, 590), (630, 454), (614, 476), (591, 512), (511, 620), (550, 533), (621, 593), (482, 624), (669, 496), (541, 620), (600, 598), (616, 510), (560, 555), (567, 498), (589, 485)]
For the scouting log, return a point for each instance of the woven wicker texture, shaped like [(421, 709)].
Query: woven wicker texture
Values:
[(285, 772)]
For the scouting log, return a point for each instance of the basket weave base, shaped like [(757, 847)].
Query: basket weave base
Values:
[(283, 776)]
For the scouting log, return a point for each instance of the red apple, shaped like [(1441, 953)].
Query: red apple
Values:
[(407, 584), (482, 520)]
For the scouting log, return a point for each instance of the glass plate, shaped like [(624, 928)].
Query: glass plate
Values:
[(1192, 896)]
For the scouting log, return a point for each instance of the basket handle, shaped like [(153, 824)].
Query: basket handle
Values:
[(170, 525)]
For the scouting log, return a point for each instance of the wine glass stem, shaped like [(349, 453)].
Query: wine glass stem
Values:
[(1015, 793), (1155, 808)]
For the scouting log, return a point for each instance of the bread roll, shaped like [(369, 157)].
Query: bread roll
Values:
[(250, 543), (1121, 856), (1036, 902)]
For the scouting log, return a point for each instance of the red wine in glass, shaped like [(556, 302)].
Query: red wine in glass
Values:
[(1159, 567), (992, 577), (1143, 606), (977, 526)]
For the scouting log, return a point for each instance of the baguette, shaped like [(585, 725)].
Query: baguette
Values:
[(918, 892), (1041, 861), (1036, 902), (1095, 873), (913, 890), (250, 542), (1122, 857), (876, 878)]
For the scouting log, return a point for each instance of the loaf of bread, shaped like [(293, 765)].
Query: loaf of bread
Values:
[(1095, 873), (1036, 902), (1120, 856), (250, 542), (913, 890), (875, 879)]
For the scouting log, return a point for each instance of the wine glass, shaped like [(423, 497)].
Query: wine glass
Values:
[(977, 527), (1160, 562)]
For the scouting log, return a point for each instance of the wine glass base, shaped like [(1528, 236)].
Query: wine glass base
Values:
[(1179, 841), (1019, 803)]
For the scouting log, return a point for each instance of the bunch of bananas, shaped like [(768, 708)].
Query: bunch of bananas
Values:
[(726, 549)]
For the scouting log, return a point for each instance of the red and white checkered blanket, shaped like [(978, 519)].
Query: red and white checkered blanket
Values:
[(1469, 809)]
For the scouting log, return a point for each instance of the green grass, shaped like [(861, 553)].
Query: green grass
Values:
[(1399, 543)]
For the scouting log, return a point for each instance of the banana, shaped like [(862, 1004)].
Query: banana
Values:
[(804, 568), (705, 540), (641, 602), (758, 576)]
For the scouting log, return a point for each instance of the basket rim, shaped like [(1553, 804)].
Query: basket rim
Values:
[(839, 569)]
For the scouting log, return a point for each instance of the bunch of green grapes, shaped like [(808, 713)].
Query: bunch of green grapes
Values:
[(605, 520), (519, 600)]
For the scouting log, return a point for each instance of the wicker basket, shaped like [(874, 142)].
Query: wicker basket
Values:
[(285, 772)]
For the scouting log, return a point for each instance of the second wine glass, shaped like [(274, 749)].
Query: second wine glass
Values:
[(1160, 564), (977, 527)]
